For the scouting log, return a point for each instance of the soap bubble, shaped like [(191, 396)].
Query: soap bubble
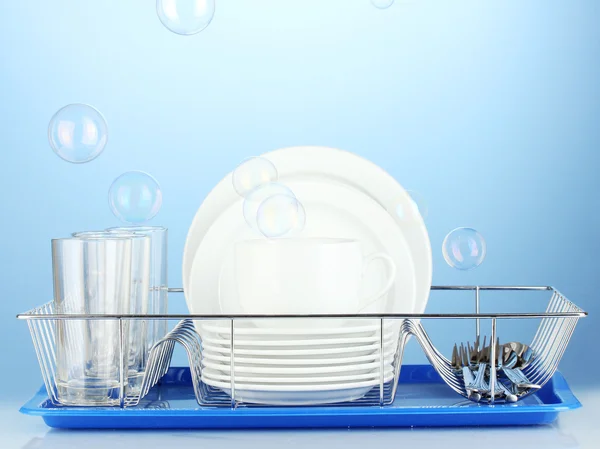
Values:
[(135, 197), (382, 4), (280, 215), (78, 133), (253, 173), (256, 197), (464, 248), (185, 17), (411, 212)]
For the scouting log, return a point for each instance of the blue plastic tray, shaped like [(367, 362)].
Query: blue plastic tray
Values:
[(423, 400)]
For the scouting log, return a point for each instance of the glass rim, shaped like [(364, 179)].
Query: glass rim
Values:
[(105, 235), (87, 240), (134, 228)]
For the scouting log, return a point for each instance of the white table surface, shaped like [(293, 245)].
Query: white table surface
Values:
[(575, 429)]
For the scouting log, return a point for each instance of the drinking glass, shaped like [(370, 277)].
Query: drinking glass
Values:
[(137, 329), (158, 301), (91, 276)]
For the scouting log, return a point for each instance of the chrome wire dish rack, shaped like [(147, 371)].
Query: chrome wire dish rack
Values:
[(553, 330)]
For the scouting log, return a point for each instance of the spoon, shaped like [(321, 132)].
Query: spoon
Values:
[(510, 367)]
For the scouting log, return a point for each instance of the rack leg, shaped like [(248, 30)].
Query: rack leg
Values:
[(381, 363), (121, 364), (232, 366), (493, 362)]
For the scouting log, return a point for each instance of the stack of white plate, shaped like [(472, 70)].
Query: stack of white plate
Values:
[(344, 196), (298, 367)]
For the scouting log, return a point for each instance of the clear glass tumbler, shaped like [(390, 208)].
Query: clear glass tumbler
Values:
[(137, 329), (158, 302), (91, 276)]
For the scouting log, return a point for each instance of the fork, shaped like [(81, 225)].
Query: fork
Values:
[(458, 363), (475, 358), (472, 391)]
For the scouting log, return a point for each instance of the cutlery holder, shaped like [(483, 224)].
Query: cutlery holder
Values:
[(553, 333)]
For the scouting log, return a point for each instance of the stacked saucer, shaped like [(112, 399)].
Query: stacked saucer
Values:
[(296, 366)]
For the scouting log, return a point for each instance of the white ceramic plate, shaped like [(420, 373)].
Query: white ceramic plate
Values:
[(298, 369), (287, 353), (325, 163), (355, 328), (295, 344), (294, 370), (314, 394), (209, 373), (277, 361)]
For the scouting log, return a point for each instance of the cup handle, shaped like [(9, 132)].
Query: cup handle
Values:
[(391, 273)]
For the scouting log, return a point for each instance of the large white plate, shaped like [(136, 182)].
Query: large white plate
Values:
[(357, 328), (217, 375), (298, 394), (280, 361), (346, 168), (295, 344), (315, 353), (295, 370)]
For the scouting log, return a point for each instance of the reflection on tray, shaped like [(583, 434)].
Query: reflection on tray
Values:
[(548, 437)]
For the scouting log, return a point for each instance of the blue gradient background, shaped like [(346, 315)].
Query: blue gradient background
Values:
[(489, 109)]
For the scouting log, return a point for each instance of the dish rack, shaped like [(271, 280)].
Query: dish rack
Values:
[(552, 335)]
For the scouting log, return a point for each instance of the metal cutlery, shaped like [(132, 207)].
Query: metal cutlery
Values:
[(512, 363), (460, 362), (474, 363)]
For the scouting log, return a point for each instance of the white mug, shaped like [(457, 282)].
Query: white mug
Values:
[(304, 276)]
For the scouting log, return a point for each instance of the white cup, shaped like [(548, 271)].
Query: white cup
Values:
[(303, 276)]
